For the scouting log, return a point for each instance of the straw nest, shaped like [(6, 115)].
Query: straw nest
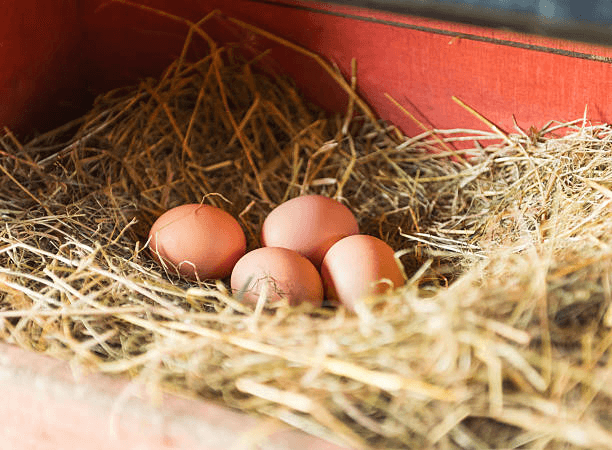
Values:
[(500, 338)]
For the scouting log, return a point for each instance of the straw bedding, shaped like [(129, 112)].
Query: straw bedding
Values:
[(500, 338)]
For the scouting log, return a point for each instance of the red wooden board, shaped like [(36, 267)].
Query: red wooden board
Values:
[(420, 62), (48, 404), (37, 65)]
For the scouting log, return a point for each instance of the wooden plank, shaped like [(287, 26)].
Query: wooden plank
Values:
[(45, 407), (39, 74), (420, 62)]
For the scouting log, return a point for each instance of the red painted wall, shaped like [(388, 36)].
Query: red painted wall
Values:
[(74, 52), (39, 72)]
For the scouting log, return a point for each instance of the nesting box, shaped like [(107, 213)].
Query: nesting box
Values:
[(56, 57)]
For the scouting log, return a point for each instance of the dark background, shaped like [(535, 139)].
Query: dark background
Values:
[(587, 21)]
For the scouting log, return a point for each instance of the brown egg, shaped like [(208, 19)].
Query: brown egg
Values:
[(285, 273), (356, 266), (198, 241), (310, 225)]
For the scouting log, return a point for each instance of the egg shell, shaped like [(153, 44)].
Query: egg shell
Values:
[(201, 241), (309, 224), (286, 273), (354, 267)]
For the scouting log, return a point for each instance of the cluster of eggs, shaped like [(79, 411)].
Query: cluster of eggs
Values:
[(311, 250)]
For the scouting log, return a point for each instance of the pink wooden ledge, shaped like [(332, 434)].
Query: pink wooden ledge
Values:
[(43, 407)]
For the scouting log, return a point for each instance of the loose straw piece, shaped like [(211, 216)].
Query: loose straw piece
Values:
[(337, 78), (387, 381)]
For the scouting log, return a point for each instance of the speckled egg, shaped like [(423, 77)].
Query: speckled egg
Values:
[(309, 224), (357, 266), (283, 272), (197, 241)]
